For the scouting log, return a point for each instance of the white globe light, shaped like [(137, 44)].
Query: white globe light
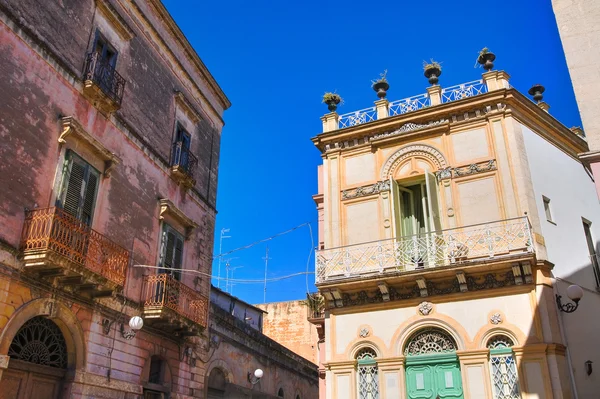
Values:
[(136, 323), (258, 373), (574, 292)]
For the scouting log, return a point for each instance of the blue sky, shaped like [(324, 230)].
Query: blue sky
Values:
[(274, 60)]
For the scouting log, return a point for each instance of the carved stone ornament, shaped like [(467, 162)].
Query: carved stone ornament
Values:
[(168, 208), (434, 156), (496, 318), (364, 332), (425, 308), (409, 127), (366, 190)]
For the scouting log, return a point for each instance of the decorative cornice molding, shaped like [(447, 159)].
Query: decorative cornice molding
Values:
[(423, 150), (112, 15), (168, 208), (363, 191), (408, 127), (187, 107), (72, 128), (475, 168)]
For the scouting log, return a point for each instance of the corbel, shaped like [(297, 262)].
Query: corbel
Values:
[(385, 292), (422, 284), (462, 281), (516, 269)]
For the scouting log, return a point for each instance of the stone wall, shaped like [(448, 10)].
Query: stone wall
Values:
[(243, 349), (286, 323)]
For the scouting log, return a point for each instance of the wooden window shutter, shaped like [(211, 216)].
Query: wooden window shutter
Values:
[(80, 186), (171, 254)]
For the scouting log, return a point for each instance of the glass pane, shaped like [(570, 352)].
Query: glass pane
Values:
[(505, 379)]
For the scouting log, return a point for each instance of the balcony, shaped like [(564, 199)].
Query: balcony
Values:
[(173, 307), (102, 84), (463, 247), (183, 164), (414, 103), (55, 244)]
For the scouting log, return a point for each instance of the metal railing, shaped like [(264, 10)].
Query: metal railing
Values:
[(182, 157), (164, 291), (409, 104), (104, 75), (419, 252), (358, 117), (464, 90), (52, 229)]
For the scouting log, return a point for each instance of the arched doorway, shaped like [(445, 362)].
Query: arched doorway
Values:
[(217, 383), (38, 361), (432, 367)]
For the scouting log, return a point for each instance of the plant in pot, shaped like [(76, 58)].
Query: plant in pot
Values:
[(316, 305), (332, 100), (432, 71), (486, 58), (381, 85)]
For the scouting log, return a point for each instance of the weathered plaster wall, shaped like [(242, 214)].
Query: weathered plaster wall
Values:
[(243, 350), (287, 323)]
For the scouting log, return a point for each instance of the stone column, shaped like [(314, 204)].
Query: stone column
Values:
[(435, 94), (382, 107), (330, 121), (496, 80)]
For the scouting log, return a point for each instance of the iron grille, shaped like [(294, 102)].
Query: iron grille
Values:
[(182, 157), (40, 341), (104, 75)]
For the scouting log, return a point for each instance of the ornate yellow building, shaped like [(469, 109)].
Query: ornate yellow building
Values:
[(433, 261)]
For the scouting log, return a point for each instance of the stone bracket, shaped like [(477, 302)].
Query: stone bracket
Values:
[(462, 281), (385, 293), (422, 284)]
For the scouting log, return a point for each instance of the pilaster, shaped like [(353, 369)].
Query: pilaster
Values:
[(330, 121)]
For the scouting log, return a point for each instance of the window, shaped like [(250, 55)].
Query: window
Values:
[(171, 253), (367, 375), (108, 55), (547, 209), (505, 379), (79, 187), (587, 228), (280, 393), (156, 370), (181, 149)]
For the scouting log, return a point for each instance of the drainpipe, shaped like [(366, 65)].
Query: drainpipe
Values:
[(564, 338)]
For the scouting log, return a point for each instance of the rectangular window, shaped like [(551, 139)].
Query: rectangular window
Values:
[(77, 195), (587, 229), (171, 254), (181, 148), (547, 209), (108, 54)]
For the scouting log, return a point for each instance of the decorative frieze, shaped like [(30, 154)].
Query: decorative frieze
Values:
[(366, 190), (449, 172), (408, 127)]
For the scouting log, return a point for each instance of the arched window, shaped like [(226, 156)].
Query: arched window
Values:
[(430, 341), (505, 379), (367, 375), (280, 393), (217, 384), (40, 341)]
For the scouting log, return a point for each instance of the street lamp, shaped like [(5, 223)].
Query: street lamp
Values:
[(253, 379), (135, 323), (575, 293)]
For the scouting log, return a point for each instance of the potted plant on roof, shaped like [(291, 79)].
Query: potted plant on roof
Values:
[(486, 58), (332, 100), (381, 85), (433, 70)]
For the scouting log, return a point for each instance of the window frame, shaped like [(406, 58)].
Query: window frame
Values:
[(546, 202), (106, 47), (495, 355), (367, 363), (167, 229)]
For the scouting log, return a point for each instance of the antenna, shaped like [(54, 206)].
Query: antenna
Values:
[(232, 284), (266, 259), (227, 269), (223, 231)]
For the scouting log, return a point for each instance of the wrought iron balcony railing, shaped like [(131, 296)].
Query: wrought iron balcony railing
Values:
[(54, 230), (162, 291), (457, 246), (183, 159), (104, 76), (410, 104)]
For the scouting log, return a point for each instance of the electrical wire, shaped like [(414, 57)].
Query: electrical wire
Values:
[(260, 241), (241, 281)]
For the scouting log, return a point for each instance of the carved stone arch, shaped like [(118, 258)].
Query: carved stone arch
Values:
[(430, 340), (61, 315), (221, 365), (365, 345), (430, 153), (443, 323)]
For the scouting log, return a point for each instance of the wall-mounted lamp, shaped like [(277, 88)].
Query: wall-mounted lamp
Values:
[(588, 367), (187, 352), (253, 379), (213, 342), (575, 293), (135, 323)]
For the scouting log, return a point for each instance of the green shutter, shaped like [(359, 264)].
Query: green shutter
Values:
[(178, 256), (171, 253), (79, 188)]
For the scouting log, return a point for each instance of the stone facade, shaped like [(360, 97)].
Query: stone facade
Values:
[(77, 263), (286, 323), (577, 22), (438, 260), (243, 349)]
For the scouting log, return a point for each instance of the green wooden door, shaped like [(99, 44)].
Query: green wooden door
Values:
[(431, 378)]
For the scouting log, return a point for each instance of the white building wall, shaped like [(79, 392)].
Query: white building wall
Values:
[(572, 195)]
